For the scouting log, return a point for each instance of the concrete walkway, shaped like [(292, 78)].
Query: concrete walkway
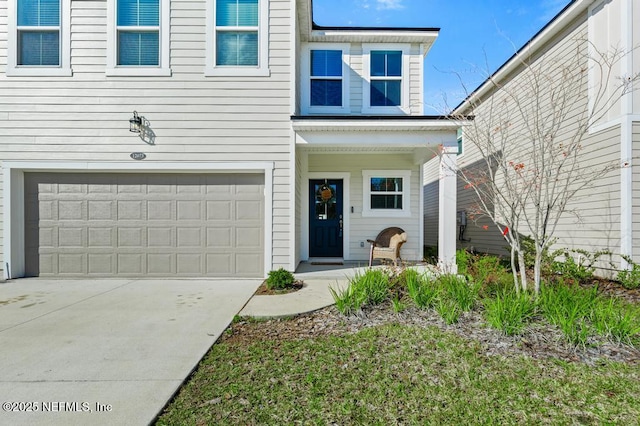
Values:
[(97, 352), (314, 295)]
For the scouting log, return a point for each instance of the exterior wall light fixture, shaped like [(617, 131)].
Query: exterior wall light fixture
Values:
[(135, 123)]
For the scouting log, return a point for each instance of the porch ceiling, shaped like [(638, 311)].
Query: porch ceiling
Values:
[(420, 154), (356, 149)]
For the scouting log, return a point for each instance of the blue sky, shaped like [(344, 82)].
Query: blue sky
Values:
[(476, 37)]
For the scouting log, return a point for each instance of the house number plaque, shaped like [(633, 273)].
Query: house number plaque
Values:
[(138, 155)]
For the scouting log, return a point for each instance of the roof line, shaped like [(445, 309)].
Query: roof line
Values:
[(526, 45), (407, 29), (315, 26)]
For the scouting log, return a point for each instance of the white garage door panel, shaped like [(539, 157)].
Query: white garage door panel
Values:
[(144, 224)]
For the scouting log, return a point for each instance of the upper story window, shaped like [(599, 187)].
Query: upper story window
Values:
[(38, 40), (237, 32), (385, 87), (237, 37), (39, 32), (325, 79), (138, 31), (386, 78), (138, 42)]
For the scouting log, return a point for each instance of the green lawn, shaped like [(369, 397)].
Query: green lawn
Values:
[(398, 374)]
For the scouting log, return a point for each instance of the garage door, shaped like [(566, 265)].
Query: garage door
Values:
[(116, 224)]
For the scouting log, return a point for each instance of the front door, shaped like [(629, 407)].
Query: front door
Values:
[(325, 221)]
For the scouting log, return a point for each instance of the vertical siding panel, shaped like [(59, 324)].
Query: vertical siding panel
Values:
[(636, 192), (415, 95), (2, 262), (431, 202), (3, 36), (355, 79)]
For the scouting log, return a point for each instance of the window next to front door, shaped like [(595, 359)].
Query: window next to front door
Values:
[(386, 193)]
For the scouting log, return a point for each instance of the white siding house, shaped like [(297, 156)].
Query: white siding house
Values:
[(608, 209), (246, 110)]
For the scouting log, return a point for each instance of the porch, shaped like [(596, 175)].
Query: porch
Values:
[(355, 177)]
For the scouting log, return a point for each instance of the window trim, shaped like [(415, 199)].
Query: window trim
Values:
[(403, 108), (162, 69), (305, 69), (62, 70), (261, 70), (367, 211)]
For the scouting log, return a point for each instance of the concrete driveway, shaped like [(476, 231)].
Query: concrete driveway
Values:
[(105, 351)]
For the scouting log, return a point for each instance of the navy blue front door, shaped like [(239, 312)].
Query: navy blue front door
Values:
[(325, 218)]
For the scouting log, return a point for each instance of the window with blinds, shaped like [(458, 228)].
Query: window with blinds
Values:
[(236, 32), (138, 32), (38, 33)]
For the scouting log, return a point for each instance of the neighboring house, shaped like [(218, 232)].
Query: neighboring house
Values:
[(609, 218), (263, 140)]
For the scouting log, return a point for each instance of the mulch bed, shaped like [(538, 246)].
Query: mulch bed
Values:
[(539, 341), (613, 288), (263, 290)]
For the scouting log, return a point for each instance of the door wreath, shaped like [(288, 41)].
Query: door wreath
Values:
[(325, 193)]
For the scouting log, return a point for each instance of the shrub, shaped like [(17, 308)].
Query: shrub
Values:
[(448, 310), (509, 311), (374, 284), (617, 320), (280, 279), (458, 290), (349, 300), (422, 290), (463, 259), (488, 271), (578, 270), (398, 305), (371, 288), (630, 278), (569, 308)]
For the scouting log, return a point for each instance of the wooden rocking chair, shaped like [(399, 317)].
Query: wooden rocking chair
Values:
[(387, 245)]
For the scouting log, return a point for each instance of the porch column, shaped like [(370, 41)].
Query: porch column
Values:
[(447, 210)]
